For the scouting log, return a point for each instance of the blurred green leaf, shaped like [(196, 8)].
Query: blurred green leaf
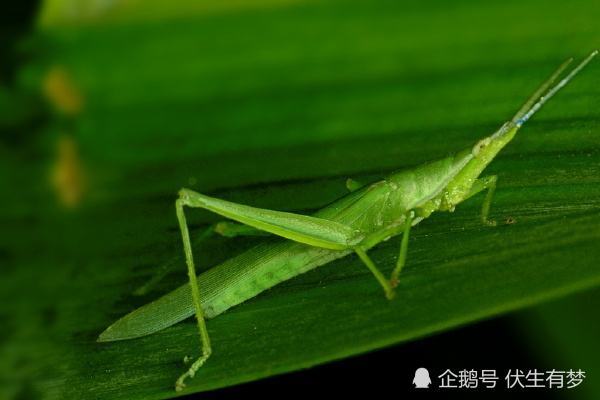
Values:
[(275, 106)]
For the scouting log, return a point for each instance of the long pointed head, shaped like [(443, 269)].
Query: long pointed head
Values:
[(486, 149)]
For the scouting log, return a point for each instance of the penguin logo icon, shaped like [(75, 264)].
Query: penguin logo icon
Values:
[(422, 379)]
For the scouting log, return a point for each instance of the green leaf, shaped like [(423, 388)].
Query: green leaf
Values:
[(275, 107)]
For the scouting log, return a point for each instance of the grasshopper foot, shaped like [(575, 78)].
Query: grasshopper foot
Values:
[(180, 384), (490, 222), (390, 294)]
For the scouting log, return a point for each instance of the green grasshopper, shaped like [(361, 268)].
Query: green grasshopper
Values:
[(355, 223)]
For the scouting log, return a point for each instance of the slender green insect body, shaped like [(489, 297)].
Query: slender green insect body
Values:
[(355, 223), (243, 277)]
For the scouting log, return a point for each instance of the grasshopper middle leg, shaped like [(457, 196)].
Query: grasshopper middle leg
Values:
[(403, 249)]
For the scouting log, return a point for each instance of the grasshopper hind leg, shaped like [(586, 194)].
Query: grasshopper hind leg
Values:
[(304, 229), (205, 339), (226, 229)]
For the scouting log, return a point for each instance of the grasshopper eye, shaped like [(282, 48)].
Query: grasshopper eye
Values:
[(482, 144)]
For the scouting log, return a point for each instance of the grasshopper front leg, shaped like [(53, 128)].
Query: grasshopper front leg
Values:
[(486, 183)]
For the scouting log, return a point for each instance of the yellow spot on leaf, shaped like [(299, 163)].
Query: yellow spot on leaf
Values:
[(62, 92), (67, 175)]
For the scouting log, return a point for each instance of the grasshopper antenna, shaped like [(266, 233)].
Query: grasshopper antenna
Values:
[(528, 110), (538, 93)]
